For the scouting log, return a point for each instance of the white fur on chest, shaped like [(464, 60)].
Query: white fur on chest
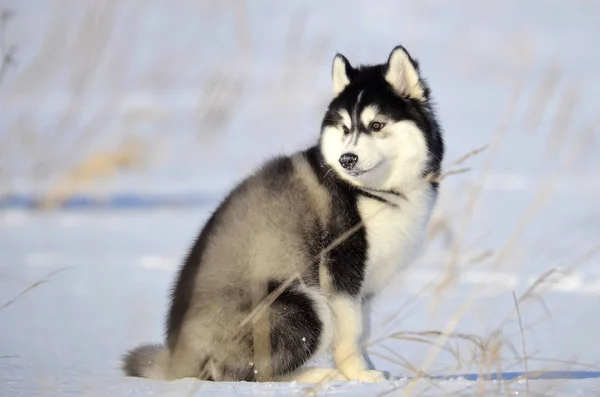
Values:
[(394, 234)]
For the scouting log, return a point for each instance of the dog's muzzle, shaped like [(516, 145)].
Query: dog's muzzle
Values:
[(348, 160)]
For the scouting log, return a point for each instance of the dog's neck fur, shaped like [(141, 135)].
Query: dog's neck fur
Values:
[(403, 181)]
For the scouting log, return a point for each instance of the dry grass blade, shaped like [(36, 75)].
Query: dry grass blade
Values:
[(403, 363), (467, 156), (398, 360), (264, 304), (6, 54), (529, 214), (444, 335), (437, 177), (440, 177), (261, 333), (522, 341), (451, 265), (33, 286), (532, 291), (563, 119), (425, 341), (541, 97), (455, 318), (589, 254), (535, 285), (344, 236), (571, 363), (481, 257)]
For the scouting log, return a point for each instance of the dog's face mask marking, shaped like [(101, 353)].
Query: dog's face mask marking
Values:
[(375, 133)]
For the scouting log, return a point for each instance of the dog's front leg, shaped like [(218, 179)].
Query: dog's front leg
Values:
[(346, 350)]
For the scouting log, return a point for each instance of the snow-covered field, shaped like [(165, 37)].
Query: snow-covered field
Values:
[(206, 90)]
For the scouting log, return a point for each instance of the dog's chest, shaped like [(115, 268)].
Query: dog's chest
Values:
[(394, 234)]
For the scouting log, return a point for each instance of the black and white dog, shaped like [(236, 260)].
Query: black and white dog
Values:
[(368, 174)]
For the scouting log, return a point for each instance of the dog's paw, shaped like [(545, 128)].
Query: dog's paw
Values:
[(370, 376)]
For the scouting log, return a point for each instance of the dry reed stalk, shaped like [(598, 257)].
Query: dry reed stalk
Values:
[(32, 287)]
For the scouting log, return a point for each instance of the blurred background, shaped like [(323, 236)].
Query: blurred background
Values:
[(122, 125)]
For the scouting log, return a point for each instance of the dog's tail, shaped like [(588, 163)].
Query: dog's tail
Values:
[(146, 361)]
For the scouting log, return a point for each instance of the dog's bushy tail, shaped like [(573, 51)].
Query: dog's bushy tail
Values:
[(146, 361)]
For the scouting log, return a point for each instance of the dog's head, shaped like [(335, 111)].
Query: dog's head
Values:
[(380, 130)]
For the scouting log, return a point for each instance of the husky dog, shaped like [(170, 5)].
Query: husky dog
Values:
[(291, 253)]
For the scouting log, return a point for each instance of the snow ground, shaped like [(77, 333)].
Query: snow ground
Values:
[(65, 336)]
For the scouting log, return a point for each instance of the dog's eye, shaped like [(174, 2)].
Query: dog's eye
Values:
[(346, 130), (376, 126)]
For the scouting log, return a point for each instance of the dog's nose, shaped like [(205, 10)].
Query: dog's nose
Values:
[(348, 160)]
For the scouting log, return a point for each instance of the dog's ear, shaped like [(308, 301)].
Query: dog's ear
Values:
[(342, 71), (402, 74)]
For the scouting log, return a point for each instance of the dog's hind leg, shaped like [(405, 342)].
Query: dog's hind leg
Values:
[(189, 357)]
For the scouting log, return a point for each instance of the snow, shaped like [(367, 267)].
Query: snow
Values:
[(112, 265), (68, 333)]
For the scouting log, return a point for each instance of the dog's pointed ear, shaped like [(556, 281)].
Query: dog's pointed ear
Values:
[(341, 73), (402, 74)]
